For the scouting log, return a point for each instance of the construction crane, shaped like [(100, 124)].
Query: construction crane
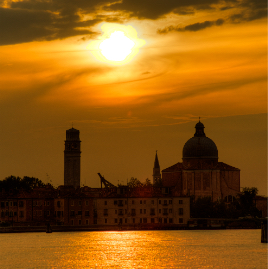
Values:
[(106, 183)]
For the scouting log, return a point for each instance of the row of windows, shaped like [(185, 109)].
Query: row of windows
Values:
[(80, 222), (12, 203), (144, 220), (79, 213), (144, 211), (12, 214), (165, 202)]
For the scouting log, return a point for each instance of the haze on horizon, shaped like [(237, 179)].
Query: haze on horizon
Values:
[(200, 58)]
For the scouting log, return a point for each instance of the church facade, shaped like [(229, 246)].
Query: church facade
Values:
[(200, 173)]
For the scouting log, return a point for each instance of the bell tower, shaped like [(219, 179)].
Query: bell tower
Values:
[(72, 156)]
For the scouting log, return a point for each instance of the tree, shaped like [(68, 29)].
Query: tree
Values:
[(134, 182), (15, 184), (246, 201)]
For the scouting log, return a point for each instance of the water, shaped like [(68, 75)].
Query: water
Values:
[(134, 249)]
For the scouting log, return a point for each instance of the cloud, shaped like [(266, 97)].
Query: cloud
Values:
[(192, 27), (31, 20)]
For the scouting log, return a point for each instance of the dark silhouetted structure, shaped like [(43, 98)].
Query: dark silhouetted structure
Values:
[(72, 156)]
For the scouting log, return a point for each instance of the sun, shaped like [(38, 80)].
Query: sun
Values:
[(118, 44), (117, 47)]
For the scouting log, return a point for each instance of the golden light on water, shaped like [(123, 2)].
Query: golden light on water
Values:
[(118, 44)]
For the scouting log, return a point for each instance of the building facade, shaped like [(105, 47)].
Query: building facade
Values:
[(200, 173)]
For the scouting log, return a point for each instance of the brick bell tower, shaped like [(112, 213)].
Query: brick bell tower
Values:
[(72, 156)]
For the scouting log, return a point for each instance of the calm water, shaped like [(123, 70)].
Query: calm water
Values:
[(135, 249)]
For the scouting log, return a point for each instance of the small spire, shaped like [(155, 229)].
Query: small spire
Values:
[(156, 162)]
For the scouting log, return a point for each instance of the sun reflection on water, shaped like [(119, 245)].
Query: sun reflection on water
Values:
[(134, 249)]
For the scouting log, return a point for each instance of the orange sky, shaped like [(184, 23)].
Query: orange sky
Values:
[(203, 58)]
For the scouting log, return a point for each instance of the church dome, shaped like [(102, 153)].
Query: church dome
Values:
[(200, 146)]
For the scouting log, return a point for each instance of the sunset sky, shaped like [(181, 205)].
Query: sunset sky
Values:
[(190, 59)]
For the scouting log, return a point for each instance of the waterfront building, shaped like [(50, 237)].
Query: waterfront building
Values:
[(200, 173)]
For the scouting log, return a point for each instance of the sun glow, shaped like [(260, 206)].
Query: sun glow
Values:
[(117, 47), (118, 44)]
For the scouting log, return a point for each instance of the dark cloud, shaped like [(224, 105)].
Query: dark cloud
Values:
[(30, 20), (192, 27), (154, 9)]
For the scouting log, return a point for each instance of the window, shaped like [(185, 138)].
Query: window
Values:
[(170, 210), (72, 222), (87, 213), (6, 203), (180, 220), (144, 211), (105, 212), (133, 212), (10, 203), (159, 211), (165, 220), (165, 211), (2, 214), (79, 222), (125, 211), (133, 202), (120, 203), (140, 220), (152, 220), (15, 214), (115, 211), (170, 220), (86, 202), (160, 220), (45, 203), (140, 201), (170, 202), (152, 211), (140, 211), (105, 220), (125, 220), (21, 204), (125, 202), (58, 214), (105, 202), (180, 202), (80, 203), (165, 202), (10, 213), (15, 204), (2, 204), (72, 213), (144, 220), (133, 220), (72, 203), (120, 212), (79, 213), (48, 203), (58, 203), (86, 221), (180, 211), (47, 213), (115, 202), (21, 214), (159, 202)]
